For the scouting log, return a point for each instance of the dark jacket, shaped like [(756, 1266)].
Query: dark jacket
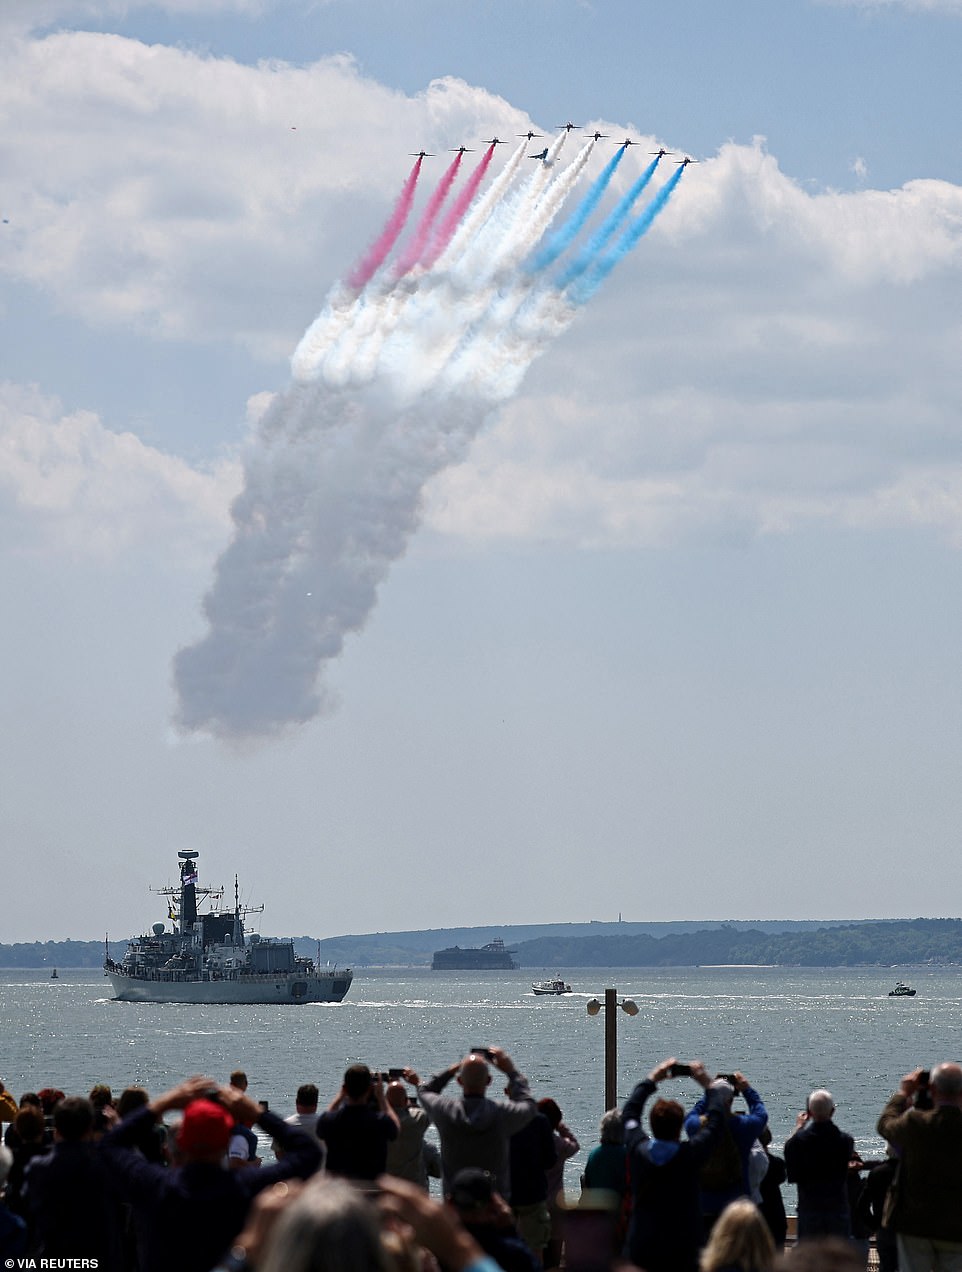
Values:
[(531, 1151), (772, 1207), (816, 1159), (926, 1198), (665, 1228), (357, 1136), (189, 1214), (70, 1205), (505, 1246)]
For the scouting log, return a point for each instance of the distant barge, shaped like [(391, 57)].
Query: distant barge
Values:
[(493, 957)]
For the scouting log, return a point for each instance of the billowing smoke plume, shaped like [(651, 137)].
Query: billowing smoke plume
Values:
[(391, 384)]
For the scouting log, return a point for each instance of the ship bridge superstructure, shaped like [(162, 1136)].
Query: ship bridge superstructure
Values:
[(207, 955)]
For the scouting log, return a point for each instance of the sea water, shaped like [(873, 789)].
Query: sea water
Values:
[(789, 1031)]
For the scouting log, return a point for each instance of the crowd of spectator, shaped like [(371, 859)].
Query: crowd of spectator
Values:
[(183, 1180)]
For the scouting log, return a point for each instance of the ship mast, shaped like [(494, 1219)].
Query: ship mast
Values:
[(188, 889), (183, 899)]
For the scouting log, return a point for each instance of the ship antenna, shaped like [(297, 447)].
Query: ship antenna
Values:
[(236, 897)]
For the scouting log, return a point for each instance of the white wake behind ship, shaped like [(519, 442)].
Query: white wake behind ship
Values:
[(209, 958)]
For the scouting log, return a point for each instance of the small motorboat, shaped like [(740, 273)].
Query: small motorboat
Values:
[(556, 986), (901, 990)]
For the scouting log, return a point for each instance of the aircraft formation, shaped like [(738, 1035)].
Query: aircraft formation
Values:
[(568, 127)]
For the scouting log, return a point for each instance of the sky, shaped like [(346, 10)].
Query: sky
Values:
[(655, 613)]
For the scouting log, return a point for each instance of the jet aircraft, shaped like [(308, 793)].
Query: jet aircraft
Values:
[(569, 126), (627, 142), (597, 135), (529, 135), (460, 150), (496, 141), (660, 153), (421, 154), (543, 156), (686, 161)]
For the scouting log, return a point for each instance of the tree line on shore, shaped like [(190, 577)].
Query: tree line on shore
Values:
[(882, 943), (902, 942)]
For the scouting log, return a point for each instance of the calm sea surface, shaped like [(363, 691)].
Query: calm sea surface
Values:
[(788, 1031)]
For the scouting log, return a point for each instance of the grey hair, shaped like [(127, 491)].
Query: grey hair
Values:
[(328, 1227), (821, 1105), (612, 1129), (726, 1089), (946, 1078)]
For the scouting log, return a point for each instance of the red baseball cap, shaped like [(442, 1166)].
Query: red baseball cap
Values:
[(205, 1127)]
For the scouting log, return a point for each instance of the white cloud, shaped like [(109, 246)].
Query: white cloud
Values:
[(70, 485), (196, 197), (766, 356), (769, 358)]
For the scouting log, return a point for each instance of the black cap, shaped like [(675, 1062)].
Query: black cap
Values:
[(472, 1189)]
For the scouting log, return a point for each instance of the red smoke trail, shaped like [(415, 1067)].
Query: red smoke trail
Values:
[(368, 265), (451, 222), (419, 241)]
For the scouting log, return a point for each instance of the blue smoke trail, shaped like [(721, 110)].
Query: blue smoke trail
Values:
[(641, 224), (550, 252), (608, 227)]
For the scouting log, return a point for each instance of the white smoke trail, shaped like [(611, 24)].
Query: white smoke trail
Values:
[(529, 230), (332, 494), (507, 219), (497, 292), (478, 215), (391, 387), (332, 322)]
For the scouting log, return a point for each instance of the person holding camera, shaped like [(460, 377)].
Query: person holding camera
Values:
[(665, 1225), (475, 1130), (818, 1157), (406, 1158), (924, 1211), (358, 1125), (727, 1174), (187, 1215)]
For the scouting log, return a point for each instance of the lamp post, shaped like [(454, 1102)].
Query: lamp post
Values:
[(628, 1006)]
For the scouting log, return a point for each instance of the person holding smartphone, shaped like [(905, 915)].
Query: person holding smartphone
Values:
[(665, 1225), (817, 1159), (474, 1129)]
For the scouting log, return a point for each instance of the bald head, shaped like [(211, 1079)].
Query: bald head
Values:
[(474, 1075), (946, 1083), (397, 1096), (821, 1106)]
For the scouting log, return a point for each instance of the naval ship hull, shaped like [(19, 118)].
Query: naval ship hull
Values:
[(208, 956), (245, 989)]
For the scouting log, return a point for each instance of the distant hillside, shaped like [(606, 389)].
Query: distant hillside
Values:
[(414, 948), (885, 943), (804, 943), (59, 953)]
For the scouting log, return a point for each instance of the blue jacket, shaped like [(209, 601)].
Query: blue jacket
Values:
[(745, 1129)]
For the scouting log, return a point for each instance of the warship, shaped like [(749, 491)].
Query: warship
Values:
[(209, 958)]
